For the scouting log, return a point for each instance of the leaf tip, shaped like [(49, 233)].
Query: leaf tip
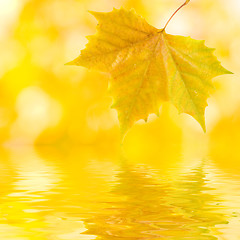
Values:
[(123, 133), (228, 72), (224, 70), (75, 62), (202, 123), (91, 12), (71, 63), (97, 15), (204, 128)]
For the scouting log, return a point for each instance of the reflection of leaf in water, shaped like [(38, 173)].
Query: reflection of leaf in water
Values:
[(147, 208), (197, 201)]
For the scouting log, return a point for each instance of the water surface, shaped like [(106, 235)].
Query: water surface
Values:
[(49, 194)]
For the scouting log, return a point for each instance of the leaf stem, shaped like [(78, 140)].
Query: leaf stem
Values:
[(186, 2)]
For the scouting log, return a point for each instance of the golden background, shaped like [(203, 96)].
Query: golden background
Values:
[(60, 139)]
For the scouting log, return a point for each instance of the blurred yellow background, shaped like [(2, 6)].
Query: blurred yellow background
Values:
[(45, 102), (167, 179)]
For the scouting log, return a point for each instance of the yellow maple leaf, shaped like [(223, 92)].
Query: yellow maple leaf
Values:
[(149, 66)]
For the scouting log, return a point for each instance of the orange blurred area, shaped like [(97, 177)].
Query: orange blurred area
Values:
[(46, 102)]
